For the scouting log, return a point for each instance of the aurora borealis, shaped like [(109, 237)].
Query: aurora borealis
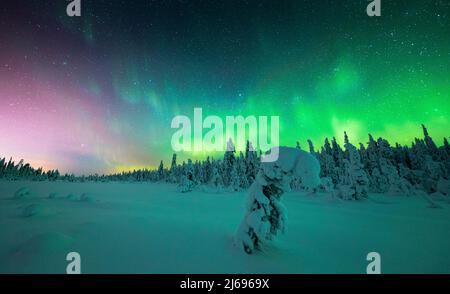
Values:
[(97, 93)]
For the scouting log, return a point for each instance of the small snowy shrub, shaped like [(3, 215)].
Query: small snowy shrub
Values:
[(71, 196), (326, 184), (54, 196), (35, 210), (345, 192), (429, 185), (187, 184), (86, 197), (23, 193)]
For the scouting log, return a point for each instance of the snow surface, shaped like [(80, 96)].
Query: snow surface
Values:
[(152, 228)]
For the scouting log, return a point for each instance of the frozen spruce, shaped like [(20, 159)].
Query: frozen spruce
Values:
[(234, 178), (242, 172), (187, 179), (173, 172), (354, 182), (251, 162), (265, 213), (216, 178), (161, 172), (228, 163)]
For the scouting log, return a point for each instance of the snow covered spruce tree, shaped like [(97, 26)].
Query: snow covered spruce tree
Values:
[(228, 162), (161, 172), (311, 148), (216, 180), (242, 172), (251, 162), (234, 178), (355, 182), (187, 179), (327, 165), (265, 214), (173, 172), (207, 170), (238, 178)]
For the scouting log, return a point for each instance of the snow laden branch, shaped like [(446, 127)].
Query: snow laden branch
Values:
[(265, 213)]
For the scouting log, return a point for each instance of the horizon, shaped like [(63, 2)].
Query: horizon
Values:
[(218, 155)]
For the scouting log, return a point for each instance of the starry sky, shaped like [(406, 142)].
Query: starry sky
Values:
[(97, 93)]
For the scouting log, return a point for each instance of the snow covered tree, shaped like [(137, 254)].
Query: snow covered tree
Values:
[(216, 180), (327, 164), (238, 178), (311, 147), (433, 171), (431, 146), (197, 172), (2, 167), (228, 162), (234, 178), (446, 146), (355, 184), (371, 158), (338, 157), (390, 169), (161, 174), (173, 172), (417, 154), (187, 183), (241, 165), (251, 162), (266, 215), (394, 184), (207, 170)]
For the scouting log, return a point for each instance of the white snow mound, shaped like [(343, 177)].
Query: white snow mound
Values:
[(23, 193), (35, 209), (86, 197)]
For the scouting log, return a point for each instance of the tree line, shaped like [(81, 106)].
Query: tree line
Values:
[(349, 171)]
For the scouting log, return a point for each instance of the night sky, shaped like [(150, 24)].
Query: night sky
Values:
[(97, 93)]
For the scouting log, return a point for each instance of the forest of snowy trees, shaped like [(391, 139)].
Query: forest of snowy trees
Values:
[(348, 172), (11, 171)]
